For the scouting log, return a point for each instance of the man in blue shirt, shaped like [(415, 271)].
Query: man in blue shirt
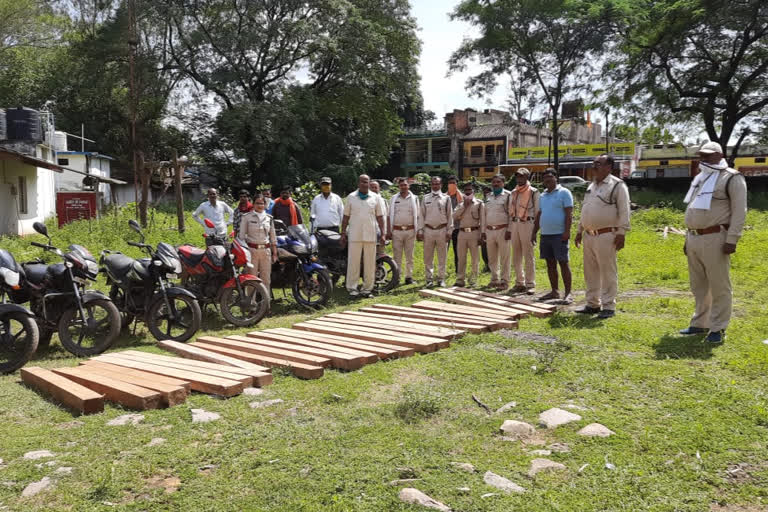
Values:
[(554, 219)]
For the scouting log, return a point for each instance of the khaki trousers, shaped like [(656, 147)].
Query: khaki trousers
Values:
[(262, 265), (365, 252), (600, 270), (468, 241), (498, 256), (404, 241), (709, 275), (434, 239), (522, 249)]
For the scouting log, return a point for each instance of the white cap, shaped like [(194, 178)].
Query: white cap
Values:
[(711, 147)]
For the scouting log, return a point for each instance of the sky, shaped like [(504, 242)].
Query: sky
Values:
[(440, 37)]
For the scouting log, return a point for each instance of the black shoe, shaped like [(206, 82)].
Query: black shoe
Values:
[(691, 330), (606, 313), (408, 280), (715, 337), (366, 295), (587, 310)]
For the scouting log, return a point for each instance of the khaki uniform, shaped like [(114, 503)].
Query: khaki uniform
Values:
[(606, 205), (522, 245), (259, 229), (708, 266), (497, 224), (404, 231), (361, 239), (469, 222), (436, 221)]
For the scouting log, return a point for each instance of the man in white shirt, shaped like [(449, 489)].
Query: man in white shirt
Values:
[(362, 214), (218, 212), (327, 208), (403, 221)]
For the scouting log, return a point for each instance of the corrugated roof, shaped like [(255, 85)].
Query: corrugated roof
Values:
[(490, 131)]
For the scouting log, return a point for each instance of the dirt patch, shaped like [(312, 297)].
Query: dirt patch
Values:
[(391, 392), (170, 484), (530, 337), (649, 293), (511, 352), (716, 507)]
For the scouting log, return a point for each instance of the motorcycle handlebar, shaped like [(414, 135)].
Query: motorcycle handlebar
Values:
[(38, 244)]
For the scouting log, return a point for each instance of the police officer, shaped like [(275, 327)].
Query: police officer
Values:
[(257, 228), (435, 228), (524, 202), (468, 219), (403, 221), (717, 208), (497, 233)]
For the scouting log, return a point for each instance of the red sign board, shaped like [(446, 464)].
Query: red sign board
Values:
[(71, 206)]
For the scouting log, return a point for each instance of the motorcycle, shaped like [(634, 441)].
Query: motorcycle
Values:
[(140, 288), (87, 321), (18, 331), (334, 256), (213, 275), (297, 266)]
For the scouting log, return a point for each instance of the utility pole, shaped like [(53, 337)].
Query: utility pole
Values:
[(177, 171), (132, 44)]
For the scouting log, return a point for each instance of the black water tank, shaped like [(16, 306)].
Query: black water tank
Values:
[(23, 124), (3, 134)]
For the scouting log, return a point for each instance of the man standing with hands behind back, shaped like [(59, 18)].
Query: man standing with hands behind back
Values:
[(403, 220), (497, 234), (327, 208), (362, 214), (717, 209), (524, 208), (604, 222), (436, 227)]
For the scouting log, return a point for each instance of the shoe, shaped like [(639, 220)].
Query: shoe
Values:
[(408, 280), (606, 313), (502, 287), (442, 283), (459, 284), (588, 310), (366, 295), (518, 288), (568, 299), (715, 337), (428, 284), (354, 293), (552, 295), (530, 291), (691, 330)]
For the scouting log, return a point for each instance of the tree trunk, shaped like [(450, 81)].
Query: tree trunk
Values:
[(177, 171), (144, 177), (555, 140)]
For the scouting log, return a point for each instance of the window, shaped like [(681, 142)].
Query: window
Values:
[(760, 160), (474, 171), (476, 151), (22, 195), (490, 170), (63, 161)]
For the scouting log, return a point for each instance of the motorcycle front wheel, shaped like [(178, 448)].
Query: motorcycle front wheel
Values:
[(313, 289), (246, 308), (387, 274), (93, 334), (18, 340), (178, 320)]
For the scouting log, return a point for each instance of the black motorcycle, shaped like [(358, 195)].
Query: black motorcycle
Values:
[(334, 256), (140, 289), (18, 331), (87, 321), (297, 266)]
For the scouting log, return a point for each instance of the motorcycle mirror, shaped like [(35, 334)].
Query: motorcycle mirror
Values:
[(209, 224), (40, 228), (134, 226)]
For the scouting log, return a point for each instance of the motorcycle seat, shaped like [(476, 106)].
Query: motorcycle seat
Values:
[(35, 272), (191, 255), (118, 264)]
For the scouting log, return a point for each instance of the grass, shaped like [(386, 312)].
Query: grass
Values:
[(684, 414)]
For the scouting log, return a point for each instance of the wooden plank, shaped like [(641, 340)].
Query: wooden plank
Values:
[(444, 307), (123, 393), (244, 379), (533, 307), (415, 323), (365, 357), (395, 325), (304, 371), (288, 355), (198, 381), (68, 393), (161, 379), (417, 315), (169, 395), (503, 300), (259, 378), (272, 341), (486, 300), (189, 352), (458, 299), (380, 349), (329, 328), (382, 331)]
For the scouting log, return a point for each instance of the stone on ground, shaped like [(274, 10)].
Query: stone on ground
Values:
[(64, 470), (517, 429), (253, 391), (126, 419), (156, 441), (266, 403), (464, 466), (506, 407), (38, 454), (463, 490), (203, 416), (541, 452), (37, 487), (502, 483), (596, 430), (560, 447), (539, 465), (416, 497), (555, 417)]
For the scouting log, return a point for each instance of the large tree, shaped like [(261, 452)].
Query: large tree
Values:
[(555, 42), (700, 59)]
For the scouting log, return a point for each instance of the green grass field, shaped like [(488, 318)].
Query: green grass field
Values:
[(691, 421)]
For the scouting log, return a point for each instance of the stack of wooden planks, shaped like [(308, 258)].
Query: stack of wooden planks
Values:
[(143, 380), (490, 302)]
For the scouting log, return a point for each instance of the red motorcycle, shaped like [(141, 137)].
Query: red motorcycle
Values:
[(214, 275)]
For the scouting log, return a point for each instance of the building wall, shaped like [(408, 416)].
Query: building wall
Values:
[(38, 194), (70, 181), (486, 165)]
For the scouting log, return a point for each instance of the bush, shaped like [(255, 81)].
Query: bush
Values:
[(418, 403)]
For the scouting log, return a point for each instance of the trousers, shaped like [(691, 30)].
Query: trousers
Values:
[(498, 256), (434, 240), (261, 259), (357, 252), (404, 241), (522, 250), (601, 274), (709, 275), (468, 241)]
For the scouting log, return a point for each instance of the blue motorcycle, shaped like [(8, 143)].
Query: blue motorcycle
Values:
[(297, 266)]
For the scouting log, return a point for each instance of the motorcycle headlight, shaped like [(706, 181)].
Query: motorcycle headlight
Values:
[(93, 268), (11, 278), (176, 266)]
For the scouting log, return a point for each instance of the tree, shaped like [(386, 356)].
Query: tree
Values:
[(555, 42), (702, 59)]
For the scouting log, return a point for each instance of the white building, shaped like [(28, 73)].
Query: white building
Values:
[(78, 164), (27, 188)]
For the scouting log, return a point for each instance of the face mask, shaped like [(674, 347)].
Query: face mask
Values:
[(452, 189), (497, 191), (362, 196)]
